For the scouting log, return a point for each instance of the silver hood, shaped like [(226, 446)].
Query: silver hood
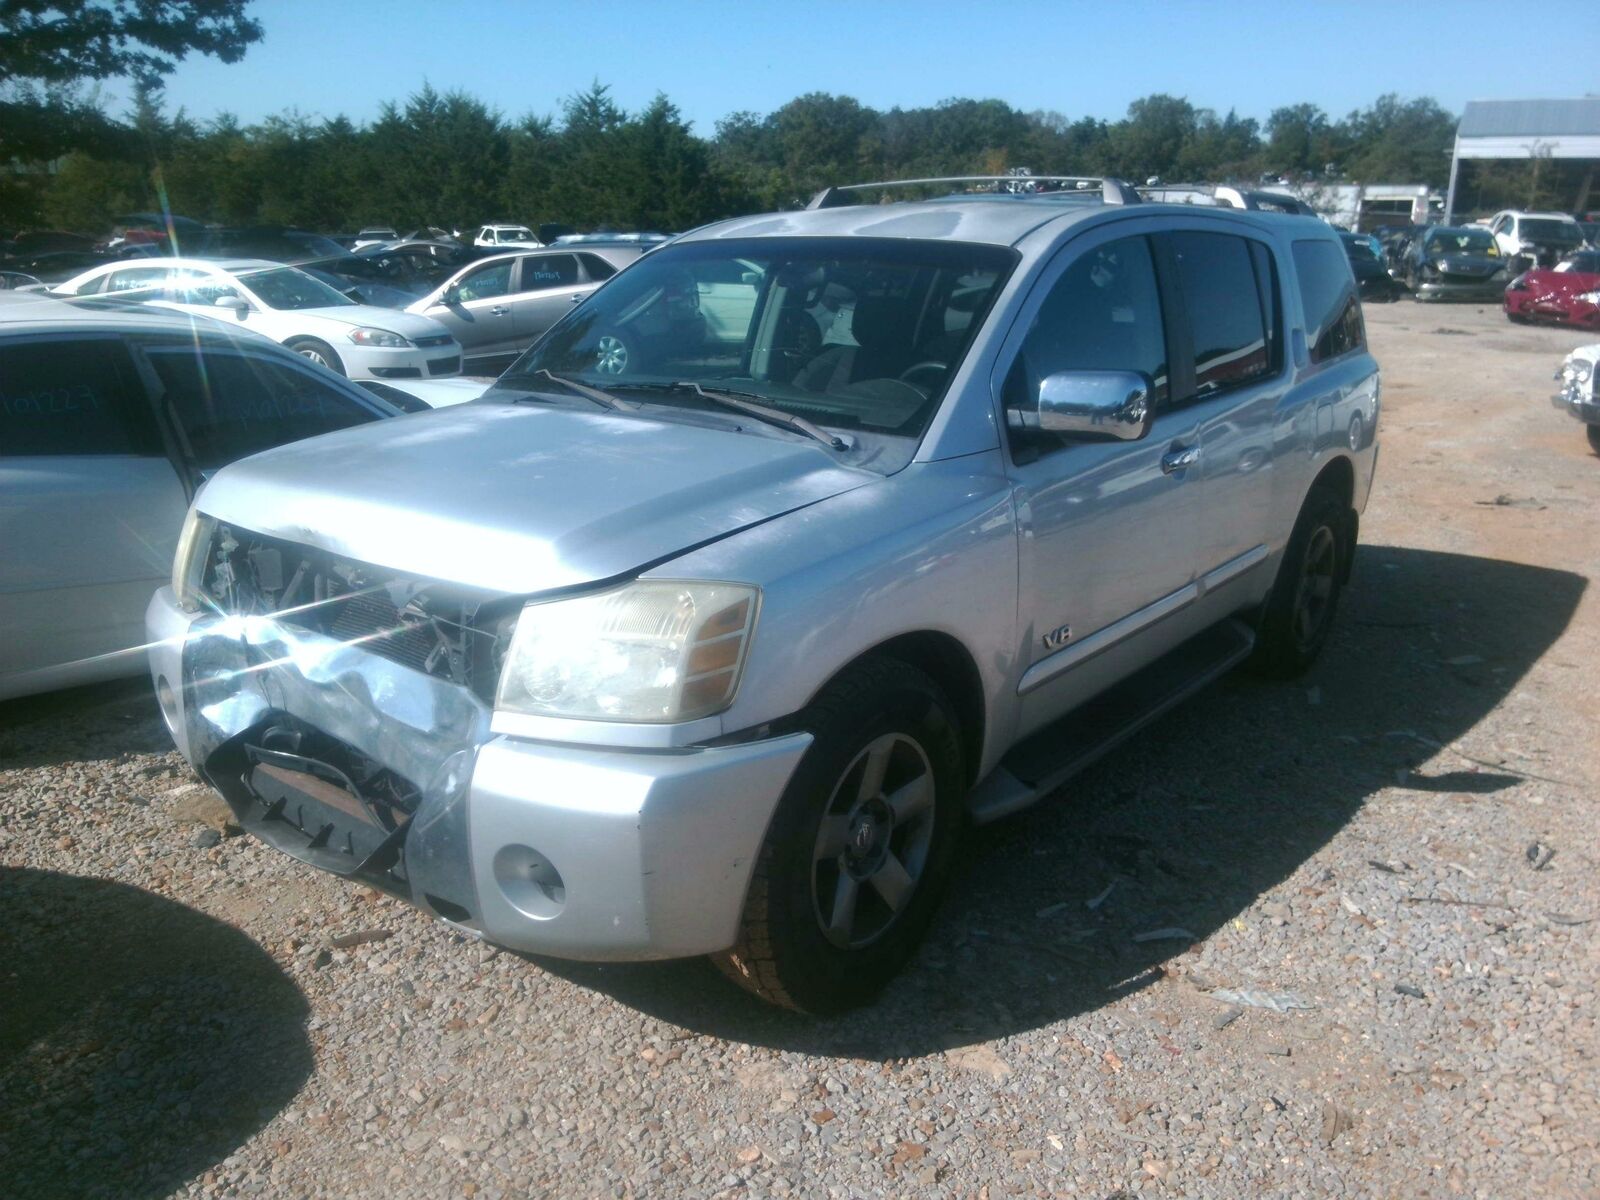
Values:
[(521, 498)]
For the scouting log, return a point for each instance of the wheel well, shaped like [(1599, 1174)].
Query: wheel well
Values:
[(1339, 477), (946, 661)]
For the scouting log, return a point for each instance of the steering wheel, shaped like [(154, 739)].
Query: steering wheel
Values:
[(932, 367)]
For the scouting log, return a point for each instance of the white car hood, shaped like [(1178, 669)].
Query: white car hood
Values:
[(395, 320)]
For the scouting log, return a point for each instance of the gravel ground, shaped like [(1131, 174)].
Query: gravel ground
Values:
[(1401, 846)]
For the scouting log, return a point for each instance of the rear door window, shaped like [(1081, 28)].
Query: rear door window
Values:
[(228, 405), (67, 397), (541, 272), (1231, 308), (1330, 301)]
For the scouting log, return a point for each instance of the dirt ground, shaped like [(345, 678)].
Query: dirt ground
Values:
[(1399, 850)]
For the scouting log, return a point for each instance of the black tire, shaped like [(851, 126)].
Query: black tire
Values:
[(1299, 611), (1594, 437), (790, 952), (318, 352)]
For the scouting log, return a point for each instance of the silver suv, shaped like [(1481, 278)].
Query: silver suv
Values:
[(802, 542)]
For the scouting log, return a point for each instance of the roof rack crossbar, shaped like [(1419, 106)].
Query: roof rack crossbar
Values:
[(1112, 190)]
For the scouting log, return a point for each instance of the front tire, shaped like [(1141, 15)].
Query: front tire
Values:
[(860, 848), (1594, 437), (317, 352), (1300, 609)]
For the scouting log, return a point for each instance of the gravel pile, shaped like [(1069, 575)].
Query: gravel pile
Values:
[(1334, 937)]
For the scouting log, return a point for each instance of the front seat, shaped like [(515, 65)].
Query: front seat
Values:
[(882, 328)]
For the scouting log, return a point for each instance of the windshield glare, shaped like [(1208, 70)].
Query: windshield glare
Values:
[(288, 288), (855, 334)]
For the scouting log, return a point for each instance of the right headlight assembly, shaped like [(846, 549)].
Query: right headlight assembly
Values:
[(652, 651), (188, 564)]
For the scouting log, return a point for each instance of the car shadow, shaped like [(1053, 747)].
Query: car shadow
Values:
[(1186, 826), (141, 1042), (92, 723)]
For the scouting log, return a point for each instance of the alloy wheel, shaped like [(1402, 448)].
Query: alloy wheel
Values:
[(1314, 593), (873, 844), (611, 356)]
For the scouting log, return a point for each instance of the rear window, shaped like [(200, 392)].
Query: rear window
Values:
[(71, 397), (1229, 295), (1328, 296)]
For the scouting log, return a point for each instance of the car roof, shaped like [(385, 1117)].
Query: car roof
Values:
[(41, 312), (998, 219)]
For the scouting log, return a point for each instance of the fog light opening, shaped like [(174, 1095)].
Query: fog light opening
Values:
[(530, 882)]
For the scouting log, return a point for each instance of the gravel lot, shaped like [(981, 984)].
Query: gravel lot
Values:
[(1404, 842)]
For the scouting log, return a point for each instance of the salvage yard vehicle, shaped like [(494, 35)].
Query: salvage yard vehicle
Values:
[(290, 306), (498, 237), (716, 652), (1535, 239), (1449, 262), (1372, 275), (110, 417), (498, 306), (1568, 294), (1579, 377)]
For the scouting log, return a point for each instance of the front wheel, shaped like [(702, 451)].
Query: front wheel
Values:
[(317, 352), (1594, 437), (1299, 611), (861, 846)]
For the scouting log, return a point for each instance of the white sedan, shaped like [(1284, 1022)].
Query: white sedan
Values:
[(288, 306)]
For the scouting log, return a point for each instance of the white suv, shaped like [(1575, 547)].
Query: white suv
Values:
[(1539, 238)]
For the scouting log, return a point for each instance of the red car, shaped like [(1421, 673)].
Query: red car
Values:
[(1568, 293)]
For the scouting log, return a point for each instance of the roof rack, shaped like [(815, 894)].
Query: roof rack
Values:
[(1112, 190)]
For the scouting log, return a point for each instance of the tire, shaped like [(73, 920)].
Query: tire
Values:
[(1300, 609), (1594, 437), (317, 352), (849, 877), (616, 354)]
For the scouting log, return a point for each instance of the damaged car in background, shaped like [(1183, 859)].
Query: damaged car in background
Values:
[(1567, 294), (1579, 394), (707, 630), (1450, 262)]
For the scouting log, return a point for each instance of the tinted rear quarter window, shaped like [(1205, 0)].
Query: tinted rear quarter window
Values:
[(63, 396), (596, 267), (1328, 296)]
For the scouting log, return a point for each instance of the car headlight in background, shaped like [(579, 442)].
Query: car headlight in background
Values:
[(365, 336), (1575, 372), (652, 651), (188, 564)]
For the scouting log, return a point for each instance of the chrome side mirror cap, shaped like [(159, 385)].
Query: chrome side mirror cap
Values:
[(1101, 406)]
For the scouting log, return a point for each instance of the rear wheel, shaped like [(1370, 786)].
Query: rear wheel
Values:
[(1299, 611), (861, 845), (317, 352)]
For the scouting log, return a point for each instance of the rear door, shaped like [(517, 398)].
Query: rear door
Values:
[(90, 508), (548, 286)]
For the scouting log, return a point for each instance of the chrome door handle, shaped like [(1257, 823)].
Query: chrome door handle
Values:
[(1177, 460), (499, 310), (578, 299)]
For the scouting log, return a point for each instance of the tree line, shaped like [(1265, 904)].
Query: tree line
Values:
[(447, 158)]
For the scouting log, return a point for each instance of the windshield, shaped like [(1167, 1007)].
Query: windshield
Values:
[(1540, 229), (289, 288), (515, 235), (1461, 241), (856, 334)]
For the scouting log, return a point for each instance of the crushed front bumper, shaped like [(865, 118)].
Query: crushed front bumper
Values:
[(1466, 290), (577, 852), (1585, 409)]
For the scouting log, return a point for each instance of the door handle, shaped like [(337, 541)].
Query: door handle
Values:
[(499, 310), (578, 299), (1179, 459)]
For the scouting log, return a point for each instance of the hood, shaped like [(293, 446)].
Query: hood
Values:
[(522, 498), (1546, 281), (406, 324), (1475, 266)]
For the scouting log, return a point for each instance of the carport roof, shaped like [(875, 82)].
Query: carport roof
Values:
[(1531, 118)]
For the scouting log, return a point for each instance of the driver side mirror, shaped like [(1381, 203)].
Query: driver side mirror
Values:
[(452, 295), (1094, 406), (234, 304)]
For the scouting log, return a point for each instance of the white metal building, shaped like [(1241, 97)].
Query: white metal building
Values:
[(1526, 129)]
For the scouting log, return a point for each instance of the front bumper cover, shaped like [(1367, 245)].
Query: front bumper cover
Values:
[(578, 852), (1585, 410)]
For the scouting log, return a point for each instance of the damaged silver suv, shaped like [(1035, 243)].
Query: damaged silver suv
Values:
[(803, 541)]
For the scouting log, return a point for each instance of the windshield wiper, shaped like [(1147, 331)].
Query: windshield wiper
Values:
[(603, 399), (747, 402)]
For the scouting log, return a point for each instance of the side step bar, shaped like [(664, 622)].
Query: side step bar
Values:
[(1045, 760)]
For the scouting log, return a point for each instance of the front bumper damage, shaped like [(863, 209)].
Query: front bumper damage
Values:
[(377, 771), (1574, 402)]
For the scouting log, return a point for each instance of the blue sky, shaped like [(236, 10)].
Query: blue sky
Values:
[(711, 58)]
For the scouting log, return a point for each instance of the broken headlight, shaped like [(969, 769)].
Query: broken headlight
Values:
[(652, 651), (189, 563)]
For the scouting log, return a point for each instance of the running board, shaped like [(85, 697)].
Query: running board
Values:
[(1045, 760)]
